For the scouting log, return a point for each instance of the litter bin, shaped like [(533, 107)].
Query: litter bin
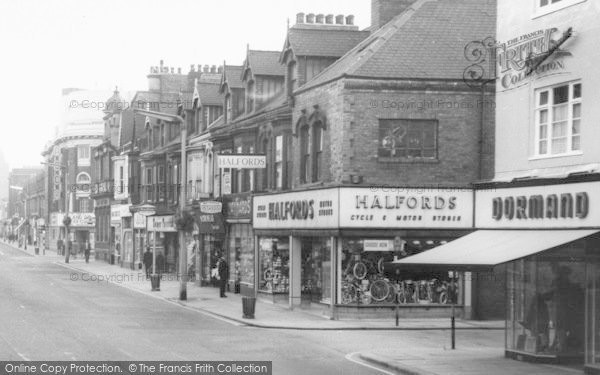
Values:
[(248, 305), (155, 282)]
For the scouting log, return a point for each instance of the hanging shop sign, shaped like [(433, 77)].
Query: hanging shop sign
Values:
[(552, 206), (210, 223), (161, 224), (536, 53), (82, 219), (406, 208), (311, 209), (378, 245), (238, 161), (139, 221), (238, 207)]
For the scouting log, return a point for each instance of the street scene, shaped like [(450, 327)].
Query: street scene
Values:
[(341, 187)]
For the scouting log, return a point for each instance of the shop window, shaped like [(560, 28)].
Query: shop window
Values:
[(558, 119), (363, 281), (406, 139), (546, 303), (274, 266)]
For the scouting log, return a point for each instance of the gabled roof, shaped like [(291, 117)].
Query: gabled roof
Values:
[(427, 41), (264, 63), (232, 76), (209, 94), (325, 42)]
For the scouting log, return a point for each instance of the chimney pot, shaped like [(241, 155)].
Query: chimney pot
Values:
[(300, 17), (192, 67), (339, 19), (310, 18), (206, 68), (220, 69), (199, 68), (172, 70), (178, 70), (213, 69), (320, 18), (350, 20), (329, 19), (162, 63)]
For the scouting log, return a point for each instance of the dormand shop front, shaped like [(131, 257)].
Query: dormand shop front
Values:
[(239, 242), (547, 238), (326, 248)]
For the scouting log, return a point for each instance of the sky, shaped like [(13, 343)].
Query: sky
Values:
[(100, 45)]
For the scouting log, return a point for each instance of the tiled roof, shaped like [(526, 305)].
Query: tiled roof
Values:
[(264, 63), (127, 122), (209, 94), (425, 42), (323, 42), (232, 75)]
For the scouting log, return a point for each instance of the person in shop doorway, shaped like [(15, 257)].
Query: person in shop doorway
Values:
[(223, 268), (148, 262), (88, 249)]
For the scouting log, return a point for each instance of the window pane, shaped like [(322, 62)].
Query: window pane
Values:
[(559, 146), (577, 90), (429, 153), (559, 129), (543, 147), (576, 110), (560, 113), (576, 143), (543, 132), (429, 139), (544, 98), (544, 116), (543, 3), (576, 129), (560, 94)]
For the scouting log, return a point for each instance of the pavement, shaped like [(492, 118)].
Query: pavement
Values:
[(480, 344)]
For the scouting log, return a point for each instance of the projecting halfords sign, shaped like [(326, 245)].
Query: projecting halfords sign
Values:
[(552, 206)]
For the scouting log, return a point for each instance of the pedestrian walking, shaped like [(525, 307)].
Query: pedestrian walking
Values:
[(88, 249), (148, 262), (223, 268), (160, 263)]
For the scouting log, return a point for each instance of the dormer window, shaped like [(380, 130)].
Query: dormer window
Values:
[(250, 94)]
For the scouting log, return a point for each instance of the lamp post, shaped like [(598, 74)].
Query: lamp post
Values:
[(177, 119)]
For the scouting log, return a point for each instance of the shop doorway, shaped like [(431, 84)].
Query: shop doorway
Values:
[(316, 270)]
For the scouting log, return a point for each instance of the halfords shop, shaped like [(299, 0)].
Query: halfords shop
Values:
[(547, 237), (326, 249)]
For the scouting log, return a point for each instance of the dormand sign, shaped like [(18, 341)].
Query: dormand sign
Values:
[(550, 206), (239, 207), (238, 161)]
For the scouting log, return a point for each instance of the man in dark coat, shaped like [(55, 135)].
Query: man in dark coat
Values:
[(160, 263), (148, 262), (87, 250), (223, 275)]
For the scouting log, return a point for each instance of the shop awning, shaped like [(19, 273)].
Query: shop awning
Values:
[(484, 249)]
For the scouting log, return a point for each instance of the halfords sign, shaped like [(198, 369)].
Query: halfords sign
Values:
[(241, 161), (553, 206), (365, 208)]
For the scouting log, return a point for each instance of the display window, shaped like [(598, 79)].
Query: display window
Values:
[(316, 269), (241, 253), (212, 248), (546, 303), (274, 270), (363, 280)]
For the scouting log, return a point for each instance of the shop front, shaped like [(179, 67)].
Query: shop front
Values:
[(237, 210), (547, 236), (313, 250), (56, 233), (83, 225), (162, 236), (210, 241)]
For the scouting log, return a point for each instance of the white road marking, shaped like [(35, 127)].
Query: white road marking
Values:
[(350, 357), (21, 306), (23, 356)]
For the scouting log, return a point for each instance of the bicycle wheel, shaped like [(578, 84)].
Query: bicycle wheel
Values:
[(391, 298), (380, 265), (379, 290), (360, 270), (443, 298)]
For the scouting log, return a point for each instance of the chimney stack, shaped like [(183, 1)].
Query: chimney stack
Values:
[(329, 19), (199, 68), (320, 18), (192, 68), (206, 68), (300, 17), (382, 11), (220, 69), (350, 20), (310, 18), (172, 70), (213, 69), (178, 70), (339, 19)]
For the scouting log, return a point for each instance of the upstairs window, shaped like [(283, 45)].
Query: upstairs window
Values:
[(292, 78), (407, 139), (317, 152), (558, 119), (304, 154), (250, 94), (83, 155), (228, 109), (278, 168)]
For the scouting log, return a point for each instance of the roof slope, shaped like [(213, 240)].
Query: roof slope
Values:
[(264, 63), (127, 125), (427, 41), (323, 42), (232, 75)]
